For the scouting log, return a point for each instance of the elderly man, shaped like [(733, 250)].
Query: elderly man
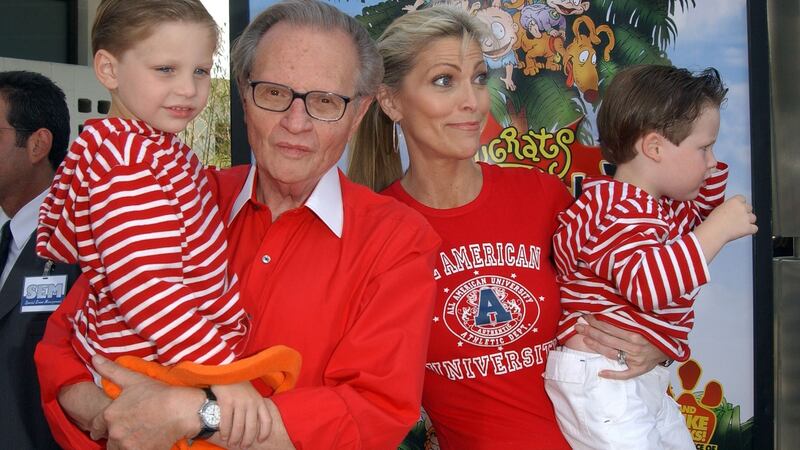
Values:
[(34, 133), (327, 267)]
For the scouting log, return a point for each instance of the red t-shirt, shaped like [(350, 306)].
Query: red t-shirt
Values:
[(496, 313), (357, 308)]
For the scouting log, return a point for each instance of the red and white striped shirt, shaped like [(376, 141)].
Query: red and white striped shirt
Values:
[(132, 206), (632, 261)]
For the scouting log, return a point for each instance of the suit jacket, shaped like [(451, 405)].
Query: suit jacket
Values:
[(22, 423)]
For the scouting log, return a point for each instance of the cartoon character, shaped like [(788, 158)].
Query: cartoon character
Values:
[(569, 7), (546, 47), (549, 18), (580, 58), (499, 48)]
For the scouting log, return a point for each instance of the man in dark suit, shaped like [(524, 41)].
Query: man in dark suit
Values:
[(34, 135)]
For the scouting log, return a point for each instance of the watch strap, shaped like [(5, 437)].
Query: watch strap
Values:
[(205, 432), (209, 394)]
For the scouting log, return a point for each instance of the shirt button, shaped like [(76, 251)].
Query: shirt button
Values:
[(266, 259)]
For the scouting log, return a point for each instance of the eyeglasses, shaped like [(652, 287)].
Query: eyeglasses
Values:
[(321, 105)]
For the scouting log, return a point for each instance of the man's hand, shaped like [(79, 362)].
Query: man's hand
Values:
[(147, 415), (98, 428), (641, 356)]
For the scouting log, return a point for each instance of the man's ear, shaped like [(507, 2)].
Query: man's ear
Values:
[(363, 107), (245, 104), (389, 104), (243, 98), (38, 145), (651, 146), (105, 68)]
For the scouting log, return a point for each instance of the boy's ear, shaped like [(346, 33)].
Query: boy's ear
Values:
[(105, 69), (651, 146), (389, 104)]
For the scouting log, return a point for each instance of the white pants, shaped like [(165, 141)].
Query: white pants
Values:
[(597, 413)]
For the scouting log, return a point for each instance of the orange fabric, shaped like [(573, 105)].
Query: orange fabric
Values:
[(277, 367)]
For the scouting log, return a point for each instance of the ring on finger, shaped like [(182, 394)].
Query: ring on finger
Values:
[(621, 357)]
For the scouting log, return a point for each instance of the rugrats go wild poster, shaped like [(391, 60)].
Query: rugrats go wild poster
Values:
[(550, 62)]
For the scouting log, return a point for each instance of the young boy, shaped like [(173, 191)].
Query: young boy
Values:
[(633, 251), (132, 206)]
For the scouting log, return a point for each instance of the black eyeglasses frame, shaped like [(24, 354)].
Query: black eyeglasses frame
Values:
[(301, 95)]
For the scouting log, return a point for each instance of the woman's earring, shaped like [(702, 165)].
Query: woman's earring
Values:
[(394, 138)]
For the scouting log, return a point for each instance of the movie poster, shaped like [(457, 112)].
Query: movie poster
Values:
[(550, 63)]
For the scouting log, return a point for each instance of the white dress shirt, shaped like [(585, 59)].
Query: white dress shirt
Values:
[(23, 224)]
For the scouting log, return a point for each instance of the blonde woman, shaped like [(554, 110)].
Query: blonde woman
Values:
[(497, 300)]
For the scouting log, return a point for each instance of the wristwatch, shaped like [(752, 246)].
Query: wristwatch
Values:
[(209, 416)]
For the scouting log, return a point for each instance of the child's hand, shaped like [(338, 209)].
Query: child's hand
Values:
[(727, 222), (244, 414), (734, 218)]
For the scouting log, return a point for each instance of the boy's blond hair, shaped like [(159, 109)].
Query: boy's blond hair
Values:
[(120, 24)]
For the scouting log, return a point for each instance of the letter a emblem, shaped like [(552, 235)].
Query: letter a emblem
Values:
[(490, 309)]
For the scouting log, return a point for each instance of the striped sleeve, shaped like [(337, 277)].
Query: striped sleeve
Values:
[(649, 274), (690, 214), (136, 227)]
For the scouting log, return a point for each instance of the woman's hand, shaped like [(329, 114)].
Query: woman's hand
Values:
[(148, 414), (640, 355)]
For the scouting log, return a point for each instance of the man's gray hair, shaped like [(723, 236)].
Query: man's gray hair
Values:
[(318, 16)]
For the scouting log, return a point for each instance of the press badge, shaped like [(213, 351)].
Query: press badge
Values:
[(45, 293)]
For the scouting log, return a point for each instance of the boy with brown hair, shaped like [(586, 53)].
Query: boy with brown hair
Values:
[(633, 251)]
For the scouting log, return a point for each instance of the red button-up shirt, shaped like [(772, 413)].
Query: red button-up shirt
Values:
[(345, 280)]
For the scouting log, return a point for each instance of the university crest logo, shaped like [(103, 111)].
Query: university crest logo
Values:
[(490, 311)]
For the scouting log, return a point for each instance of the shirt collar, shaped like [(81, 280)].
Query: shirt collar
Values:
[(325, 200), (25, 220), (593, 181)]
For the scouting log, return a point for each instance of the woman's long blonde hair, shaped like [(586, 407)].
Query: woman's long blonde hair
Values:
[(374, 160)]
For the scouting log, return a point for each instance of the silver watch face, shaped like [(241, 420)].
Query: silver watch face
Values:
[(210, 414)]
